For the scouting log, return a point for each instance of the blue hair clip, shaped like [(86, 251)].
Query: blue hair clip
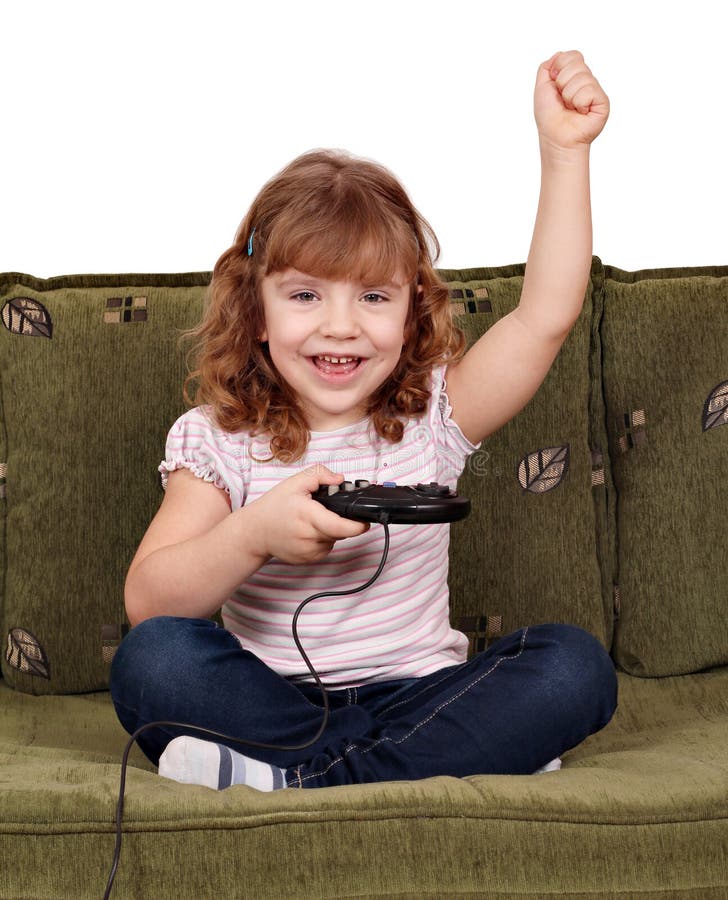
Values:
[(250, 242)]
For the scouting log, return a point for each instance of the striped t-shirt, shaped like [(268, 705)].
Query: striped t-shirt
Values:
[(400, 626)]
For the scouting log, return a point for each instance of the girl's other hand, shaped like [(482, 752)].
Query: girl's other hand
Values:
[(295, 528), (570, 106)]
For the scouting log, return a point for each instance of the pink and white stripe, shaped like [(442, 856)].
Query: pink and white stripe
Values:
[(399, 627)]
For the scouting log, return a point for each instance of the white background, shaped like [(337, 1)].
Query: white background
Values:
[(135, 134)]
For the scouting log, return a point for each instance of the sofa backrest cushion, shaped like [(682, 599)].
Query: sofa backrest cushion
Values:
[(536, 544), (90, 382), (665, 350)]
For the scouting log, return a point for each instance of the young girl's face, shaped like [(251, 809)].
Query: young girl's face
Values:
[(334, 342)]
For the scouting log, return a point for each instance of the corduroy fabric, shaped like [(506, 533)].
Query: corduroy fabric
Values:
[(86, 401), (88, 398), (665, 343), (639, 809), (528, 555)]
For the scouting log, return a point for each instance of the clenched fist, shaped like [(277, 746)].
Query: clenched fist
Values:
[(570, 106)]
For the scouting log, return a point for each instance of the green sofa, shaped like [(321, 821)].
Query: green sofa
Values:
[(603, 504)]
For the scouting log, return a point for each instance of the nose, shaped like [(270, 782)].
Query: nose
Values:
[(339, 320)]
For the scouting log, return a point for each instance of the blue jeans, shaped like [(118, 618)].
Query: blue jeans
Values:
[(529, 698)]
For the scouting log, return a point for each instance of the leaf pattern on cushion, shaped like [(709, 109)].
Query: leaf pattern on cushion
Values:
[(27, 317), (544, 469), (25, 653), (715, 411)]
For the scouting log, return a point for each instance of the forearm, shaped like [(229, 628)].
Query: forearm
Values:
[(195, 577), (559, 260)]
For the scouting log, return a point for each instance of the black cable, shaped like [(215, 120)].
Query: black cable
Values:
[(226, 737)]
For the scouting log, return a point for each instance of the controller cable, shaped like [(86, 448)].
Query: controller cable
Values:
[(383, 519)]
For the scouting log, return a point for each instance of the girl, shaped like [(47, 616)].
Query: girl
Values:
[(327, 351)]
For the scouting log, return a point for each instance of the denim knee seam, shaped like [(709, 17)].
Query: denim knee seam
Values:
[(419, 725)]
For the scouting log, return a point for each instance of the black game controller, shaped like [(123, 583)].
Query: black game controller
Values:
[(390, 502)]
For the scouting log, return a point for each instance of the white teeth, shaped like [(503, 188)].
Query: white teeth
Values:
[(339, 359)]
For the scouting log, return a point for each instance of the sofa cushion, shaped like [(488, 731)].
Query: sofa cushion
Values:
[(665, 345), (638, 810), (90, 380), (536, 547)]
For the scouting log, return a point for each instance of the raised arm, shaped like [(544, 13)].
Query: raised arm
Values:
[(504, 369)]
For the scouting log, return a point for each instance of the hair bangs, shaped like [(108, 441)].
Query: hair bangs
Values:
[(349, 243)]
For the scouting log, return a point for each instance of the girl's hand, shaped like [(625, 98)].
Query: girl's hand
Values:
[(293, 527), (569, 104)]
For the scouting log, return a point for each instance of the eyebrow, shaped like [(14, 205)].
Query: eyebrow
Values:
[(296, 278), (299, 277)]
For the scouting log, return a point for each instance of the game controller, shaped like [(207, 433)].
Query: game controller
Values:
[(392, 503)]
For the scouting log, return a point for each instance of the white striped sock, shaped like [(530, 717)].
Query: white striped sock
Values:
[(191, 760), (553, 766)]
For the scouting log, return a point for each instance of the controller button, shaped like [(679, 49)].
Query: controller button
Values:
[(346, 486), (362, 483), (433, 489), (389, 484), (332, 489)]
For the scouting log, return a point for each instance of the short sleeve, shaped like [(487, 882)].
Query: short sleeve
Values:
[(454, 448), (195, 443)]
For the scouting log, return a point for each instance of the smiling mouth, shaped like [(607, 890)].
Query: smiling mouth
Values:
[(336, 365)]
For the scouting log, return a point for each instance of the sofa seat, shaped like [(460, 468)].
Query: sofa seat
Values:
[(652, 786)]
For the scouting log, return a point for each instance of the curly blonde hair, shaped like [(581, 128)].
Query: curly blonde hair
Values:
[(334, 216)]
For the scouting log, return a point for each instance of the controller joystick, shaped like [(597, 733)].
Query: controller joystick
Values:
[(393, 503)]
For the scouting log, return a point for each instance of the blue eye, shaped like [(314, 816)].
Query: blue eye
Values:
[(305, 296)]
